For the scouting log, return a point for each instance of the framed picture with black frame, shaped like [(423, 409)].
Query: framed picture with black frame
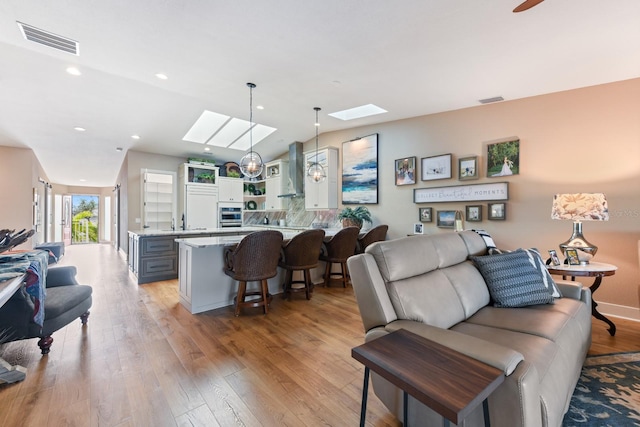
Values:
[(446, 219), (497, 211), (405, 171), (436, 167), (473, 213), (425, 214)]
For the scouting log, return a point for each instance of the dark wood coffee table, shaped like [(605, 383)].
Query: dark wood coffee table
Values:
[(449, 382)]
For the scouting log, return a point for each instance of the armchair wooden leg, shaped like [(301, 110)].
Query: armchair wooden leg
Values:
[(45, 344), (84, 318)]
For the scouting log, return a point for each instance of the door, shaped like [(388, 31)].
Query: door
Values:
[(66, 219)]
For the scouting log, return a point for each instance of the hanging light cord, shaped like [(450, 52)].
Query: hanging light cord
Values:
[(317, 126), (251, 86)]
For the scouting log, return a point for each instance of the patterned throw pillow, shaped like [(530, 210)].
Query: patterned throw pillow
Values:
[(512, 280), (536, 260)]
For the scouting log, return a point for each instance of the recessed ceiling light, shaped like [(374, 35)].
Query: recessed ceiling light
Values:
[(135, 136), (358, 112), (83, 180), (79, 129), (207, 149), (260, 107), (118, 149), (74, 71), (162, 76)]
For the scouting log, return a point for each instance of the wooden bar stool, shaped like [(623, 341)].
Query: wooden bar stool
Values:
[(301, 254), (376, 234), (336, 250), (254, 259)]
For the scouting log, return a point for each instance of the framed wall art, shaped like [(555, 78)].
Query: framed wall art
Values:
[(424, 214), (497, 211), (436, 167), (462, 193), (473, 213), (468, 168), (360, 170), (405, 171), (446, 219), (503, 158), (418, 228)]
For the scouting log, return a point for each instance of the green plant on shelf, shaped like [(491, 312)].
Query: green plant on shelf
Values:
[(355, 217), (206, 177), (233, 174)]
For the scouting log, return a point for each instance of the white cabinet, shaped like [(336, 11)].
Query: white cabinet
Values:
[(198, 188), (230, 189), (277, 183), (254, 195), (158, 199), (323, 195)]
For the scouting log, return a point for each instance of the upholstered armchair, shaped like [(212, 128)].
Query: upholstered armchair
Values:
[(65, 301)]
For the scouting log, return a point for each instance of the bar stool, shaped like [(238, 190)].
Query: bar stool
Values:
[(376, 234), (254, 259), (336, 250), (301, 254)]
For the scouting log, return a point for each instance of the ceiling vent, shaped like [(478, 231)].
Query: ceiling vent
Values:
[(490, 100), (49, 39)]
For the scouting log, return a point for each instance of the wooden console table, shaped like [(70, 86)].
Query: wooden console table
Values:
[(449, 382)]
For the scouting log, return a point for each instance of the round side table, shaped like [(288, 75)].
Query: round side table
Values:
[(593, 269)]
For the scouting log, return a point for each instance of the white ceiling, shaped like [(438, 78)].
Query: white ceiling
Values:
[(410, 57)]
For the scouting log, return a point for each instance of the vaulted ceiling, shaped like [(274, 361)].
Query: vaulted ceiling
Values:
[(412, 58)]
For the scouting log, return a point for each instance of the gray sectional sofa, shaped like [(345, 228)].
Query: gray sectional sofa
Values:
[(435, 287)]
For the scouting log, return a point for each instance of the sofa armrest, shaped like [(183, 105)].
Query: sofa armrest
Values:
[(61, 276), (570, 289), (495, 355)]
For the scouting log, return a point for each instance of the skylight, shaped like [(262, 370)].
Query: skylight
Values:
[(358, 112), (223, 131)]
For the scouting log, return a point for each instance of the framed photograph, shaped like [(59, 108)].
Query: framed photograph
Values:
[(572, 256), (468, 168), (406, 171), (446, 219), (497, 211), (553, 256), (360, 171), (473, 213), (418, 228), (503, 158), (436, 167), (425, 214)]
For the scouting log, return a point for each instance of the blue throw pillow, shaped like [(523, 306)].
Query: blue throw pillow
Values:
[(512, 280), (536, 260)]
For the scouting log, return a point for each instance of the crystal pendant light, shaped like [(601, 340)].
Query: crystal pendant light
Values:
[(251, 164), (316, 171)]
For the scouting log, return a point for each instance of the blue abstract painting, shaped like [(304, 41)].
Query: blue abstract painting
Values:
[(360, 171)]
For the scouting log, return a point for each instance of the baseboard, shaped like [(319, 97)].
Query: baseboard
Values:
[(623, 311)]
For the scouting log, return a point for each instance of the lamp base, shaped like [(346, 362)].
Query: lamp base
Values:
[(586, 250)]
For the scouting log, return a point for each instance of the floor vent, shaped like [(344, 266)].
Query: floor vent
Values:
[(490, 100), (49, 39)]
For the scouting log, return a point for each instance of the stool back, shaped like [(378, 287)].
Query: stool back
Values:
[(342, 245), (376, 234), (255, 257), (303, 250)]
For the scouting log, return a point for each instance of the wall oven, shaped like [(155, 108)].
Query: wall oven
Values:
[(229, 215)]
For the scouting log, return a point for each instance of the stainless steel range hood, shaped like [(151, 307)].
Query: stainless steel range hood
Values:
[(296, 171)]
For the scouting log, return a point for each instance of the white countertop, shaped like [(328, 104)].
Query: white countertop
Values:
[(227, 231), (205, 242)]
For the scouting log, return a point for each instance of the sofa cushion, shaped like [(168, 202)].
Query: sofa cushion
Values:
[(512, 280), (536, 260)]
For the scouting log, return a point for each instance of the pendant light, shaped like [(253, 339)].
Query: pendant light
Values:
[(316, 172), (251, 164)]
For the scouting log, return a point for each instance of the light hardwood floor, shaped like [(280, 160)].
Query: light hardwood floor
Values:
[(143, 360)]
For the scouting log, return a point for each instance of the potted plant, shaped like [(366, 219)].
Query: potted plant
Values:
[(206, 177), (355, 217)]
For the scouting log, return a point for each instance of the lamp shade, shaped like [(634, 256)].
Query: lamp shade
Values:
[(580, 207)]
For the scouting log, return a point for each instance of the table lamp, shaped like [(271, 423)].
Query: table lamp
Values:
[(580, 207)]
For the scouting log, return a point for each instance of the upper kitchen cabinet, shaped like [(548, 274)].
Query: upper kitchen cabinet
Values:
[(276, 184), (230, 189), (191, 173), (322, 195), (199, 192)]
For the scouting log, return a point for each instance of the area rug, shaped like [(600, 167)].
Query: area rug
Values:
[(608, 393)]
